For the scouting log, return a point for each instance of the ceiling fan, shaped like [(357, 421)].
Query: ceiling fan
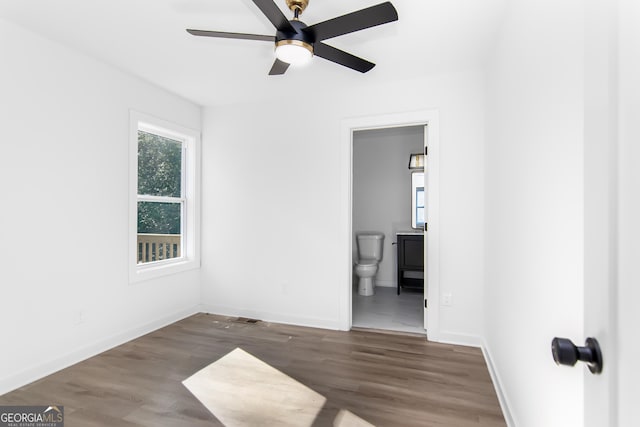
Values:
[(296, 43)]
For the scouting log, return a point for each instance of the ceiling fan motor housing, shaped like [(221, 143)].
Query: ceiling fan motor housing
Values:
[(298, 37)]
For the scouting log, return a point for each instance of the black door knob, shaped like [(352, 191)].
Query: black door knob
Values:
[(567, 353)]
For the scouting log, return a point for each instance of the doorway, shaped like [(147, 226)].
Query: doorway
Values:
[(427, 120), (382, 188)]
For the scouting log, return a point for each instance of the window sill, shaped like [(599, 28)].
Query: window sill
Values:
[(159, 269)]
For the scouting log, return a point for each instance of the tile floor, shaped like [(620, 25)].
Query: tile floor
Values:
[(387, 310)]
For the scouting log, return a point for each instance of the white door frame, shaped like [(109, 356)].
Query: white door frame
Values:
[(415, 118)]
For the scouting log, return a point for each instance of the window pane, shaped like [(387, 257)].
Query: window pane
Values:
[(158, 231), (420, 217), (159, 165), (420, 197), (159, 218)]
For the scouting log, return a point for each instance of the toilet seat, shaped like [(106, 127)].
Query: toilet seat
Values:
[(367, 262)]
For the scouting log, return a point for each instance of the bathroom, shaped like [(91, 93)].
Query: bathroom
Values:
[(384, 211)]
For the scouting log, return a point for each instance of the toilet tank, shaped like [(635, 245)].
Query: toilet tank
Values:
[(369, 244)]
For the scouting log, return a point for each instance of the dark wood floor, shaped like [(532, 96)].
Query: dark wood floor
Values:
[(387, 380)]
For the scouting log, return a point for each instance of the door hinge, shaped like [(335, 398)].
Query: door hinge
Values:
[(425, 303), (425, 150)]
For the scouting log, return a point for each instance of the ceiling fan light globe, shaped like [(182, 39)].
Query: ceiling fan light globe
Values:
[(294, 52)]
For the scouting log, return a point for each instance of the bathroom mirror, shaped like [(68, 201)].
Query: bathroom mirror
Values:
[(417, 200)]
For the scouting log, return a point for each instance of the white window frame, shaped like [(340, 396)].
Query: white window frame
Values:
[(190, 224)]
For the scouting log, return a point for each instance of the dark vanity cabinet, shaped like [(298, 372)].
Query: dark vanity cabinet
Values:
[(410, 261)]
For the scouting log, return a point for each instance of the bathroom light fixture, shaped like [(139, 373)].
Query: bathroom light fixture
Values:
[(416, 161), (294, 52)]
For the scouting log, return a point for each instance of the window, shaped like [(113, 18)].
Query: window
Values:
[(164, 208), (161, 201), (417, 200), (420, 207)]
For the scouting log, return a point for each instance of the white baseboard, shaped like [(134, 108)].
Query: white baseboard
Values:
[(273, 317), (457, 339), (497, 384), (40, 371)]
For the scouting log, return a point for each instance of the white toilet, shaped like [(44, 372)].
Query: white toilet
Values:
[(369, 245)]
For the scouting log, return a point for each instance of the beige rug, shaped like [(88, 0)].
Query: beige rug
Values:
[(242, 391)]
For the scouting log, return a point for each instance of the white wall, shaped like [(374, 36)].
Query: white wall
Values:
[(273, 208), (382, 188), (534, 205), (64, 168)]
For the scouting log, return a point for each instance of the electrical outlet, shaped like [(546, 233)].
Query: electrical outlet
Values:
[(79, 317), (447, 299)]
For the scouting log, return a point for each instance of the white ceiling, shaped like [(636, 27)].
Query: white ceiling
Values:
[(147, 38)]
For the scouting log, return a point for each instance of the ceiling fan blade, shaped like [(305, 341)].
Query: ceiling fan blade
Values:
[(275, 15), (355, 21), (279, 67), (225, 35), (341, 57)]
